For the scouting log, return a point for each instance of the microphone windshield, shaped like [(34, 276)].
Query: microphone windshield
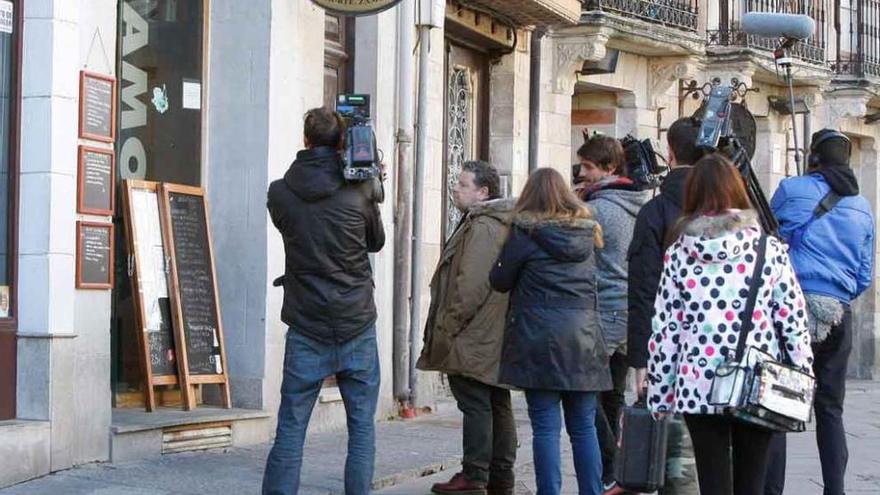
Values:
[(791, 26)]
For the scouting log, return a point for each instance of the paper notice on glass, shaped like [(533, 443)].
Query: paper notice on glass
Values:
[(6, 17), (4, 301), (192, 94)]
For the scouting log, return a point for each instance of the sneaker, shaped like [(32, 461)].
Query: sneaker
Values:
[(458, 485), (612, 488)]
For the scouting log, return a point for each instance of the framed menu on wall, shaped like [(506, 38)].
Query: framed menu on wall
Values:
[(94, 255), (97, 107), (96, 184)]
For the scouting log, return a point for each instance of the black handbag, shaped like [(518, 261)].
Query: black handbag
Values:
[(641, 459), (755, 388)]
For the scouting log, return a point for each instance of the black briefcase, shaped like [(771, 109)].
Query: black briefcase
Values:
[(641, 459)]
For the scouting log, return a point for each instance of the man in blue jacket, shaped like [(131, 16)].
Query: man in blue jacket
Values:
[(830, 231)]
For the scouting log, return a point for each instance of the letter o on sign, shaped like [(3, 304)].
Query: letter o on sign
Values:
[(356, 7)]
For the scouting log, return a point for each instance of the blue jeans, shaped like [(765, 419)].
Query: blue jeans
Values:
[(580, 422), (306, 363)]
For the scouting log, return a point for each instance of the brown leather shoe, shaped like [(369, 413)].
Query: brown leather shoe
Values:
[(458, 485)]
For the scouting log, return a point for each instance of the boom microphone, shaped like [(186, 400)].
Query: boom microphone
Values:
[(790, 26)]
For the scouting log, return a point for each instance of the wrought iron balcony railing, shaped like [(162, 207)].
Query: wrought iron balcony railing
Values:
[(678, 14), (808, 51), (729, 33), (857, 38)]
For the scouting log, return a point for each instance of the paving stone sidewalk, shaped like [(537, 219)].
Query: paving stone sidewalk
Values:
[(411, 455)]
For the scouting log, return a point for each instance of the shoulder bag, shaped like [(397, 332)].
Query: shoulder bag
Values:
[(753, 386)]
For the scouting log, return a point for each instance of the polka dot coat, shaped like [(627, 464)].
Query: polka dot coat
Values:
[(702, 291)]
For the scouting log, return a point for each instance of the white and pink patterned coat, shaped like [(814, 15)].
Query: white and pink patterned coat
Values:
[(705, 282)]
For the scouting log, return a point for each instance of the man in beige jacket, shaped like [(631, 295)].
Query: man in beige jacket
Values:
[(465, 331)]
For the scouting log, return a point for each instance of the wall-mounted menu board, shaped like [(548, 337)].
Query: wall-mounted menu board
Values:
[(146, 249), (97, 107), (194, 299), (96, 181), (94, 255)]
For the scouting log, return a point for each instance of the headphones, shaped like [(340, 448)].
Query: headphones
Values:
[(822, 136)]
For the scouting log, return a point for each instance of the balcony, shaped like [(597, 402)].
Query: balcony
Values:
[(678, 14), (727, 32), (857, 41)]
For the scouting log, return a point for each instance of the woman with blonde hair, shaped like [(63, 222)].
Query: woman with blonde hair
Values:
[(553, 346)]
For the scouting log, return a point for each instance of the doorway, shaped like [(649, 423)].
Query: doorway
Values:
[(466, 120)]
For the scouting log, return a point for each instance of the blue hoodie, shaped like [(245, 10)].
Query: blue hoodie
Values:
[(834, 255)]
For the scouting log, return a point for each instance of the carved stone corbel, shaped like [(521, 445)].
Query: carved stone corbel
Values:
[(841, 106), (569, 55), (666, 72)]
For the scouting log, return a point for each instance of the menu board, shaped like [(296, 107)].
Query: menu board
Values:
[(150, 276), (96, 191), (97, 107), (94, 255), (198, 310)]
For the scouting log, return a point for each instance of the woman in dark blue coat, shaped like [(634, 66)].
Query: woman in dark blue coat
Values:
[(553, 346)]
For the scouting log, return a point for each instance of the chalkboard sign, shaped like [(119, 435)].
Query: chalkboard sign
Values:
[(194, 297), (96, 181), (94, 255), (146, 249), (97, 107)]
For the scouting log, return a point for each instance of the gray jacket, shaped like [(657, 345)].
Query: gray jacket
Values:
[(615, 206)]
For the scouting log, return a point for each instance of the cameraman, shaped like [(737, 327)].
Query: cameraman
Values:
[(615, 201), (329, 226), (830, 230), (653, 224)]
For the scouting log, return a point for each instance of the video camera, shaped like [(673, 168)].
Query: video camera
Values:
[(641, 163), (717, 135), (361, 155)]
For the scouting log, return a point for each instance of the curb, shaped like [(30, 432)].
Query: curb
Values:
[(414, 473)]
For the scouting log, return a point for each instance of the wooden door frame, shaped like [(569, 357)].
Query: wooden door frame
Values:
[(484, 94)]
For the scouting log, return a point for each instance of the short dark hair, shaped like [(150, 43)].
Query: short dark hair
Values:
[(485, 175), (682, 139), (605, 151), (323, 127)]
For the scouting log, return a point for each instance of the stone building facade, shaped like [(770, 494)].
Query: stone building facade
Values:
[(499, 71), (211, 93)]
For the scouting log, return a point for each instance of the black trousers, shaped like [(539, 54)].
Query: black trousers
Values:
[(830, 360), (608, 415), (731, 455), (488, 433)]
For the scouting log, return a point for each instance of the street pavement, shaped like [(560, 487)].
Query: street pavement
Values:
[(412, 455)]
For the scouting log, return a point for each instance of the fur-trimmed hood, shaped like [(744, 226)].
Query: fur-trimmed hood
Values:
[(721, 238), (500, 209), (566, 239)]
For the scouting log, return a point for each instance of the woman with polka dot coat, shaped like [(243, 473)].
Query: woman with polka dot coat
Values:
[(705, 283)]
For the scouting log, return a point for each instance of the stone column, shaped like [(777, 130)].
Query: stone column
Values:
[(237, 154), (509, 117), (64, 337), (565, 53), (866, 319)]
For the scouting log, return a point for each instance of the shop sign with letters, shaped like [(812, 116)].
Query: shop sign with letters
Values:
[(356, 7)]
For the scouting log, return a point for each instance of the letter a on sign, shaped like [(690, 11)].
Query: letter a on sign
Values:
[(356, 7)]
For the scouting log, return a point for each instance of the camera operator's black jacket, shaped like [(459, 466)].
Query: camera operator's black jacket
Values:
[(654, 222), (329, 226)]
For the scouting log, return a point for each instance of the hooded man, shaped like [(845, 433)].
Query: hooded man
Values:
[(465, 331), (615, 202), (329, 227), (830, 231), (653, 226)]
